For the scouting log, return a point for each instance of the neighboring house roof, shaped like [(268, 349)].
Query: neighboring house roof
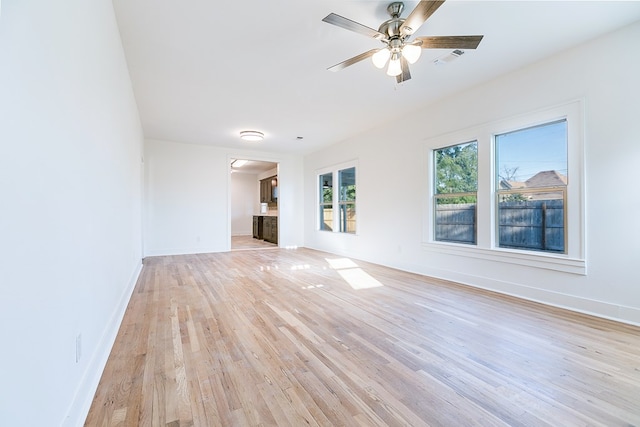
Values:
[(546, 179), (539, 180), (511, 185)]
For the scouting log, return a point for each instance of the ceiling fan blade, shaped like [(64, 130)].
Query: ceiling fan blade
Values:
[(449, 42), (406, 74), (421, 13), (354, 26), (351, 61)]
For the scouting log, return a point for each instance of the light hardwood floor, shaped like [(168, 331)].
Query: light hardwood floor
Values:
[(300, 337), (241, 243)]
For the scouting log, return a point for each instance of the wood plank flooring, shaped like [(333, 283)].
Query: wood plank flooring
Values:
[(304, 338), (241, 243)]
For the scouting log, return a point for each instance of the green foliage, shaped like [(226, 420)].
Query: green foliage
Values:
[(327, 195), (348, 193), (513, 197), (460, 200), (457, 170)]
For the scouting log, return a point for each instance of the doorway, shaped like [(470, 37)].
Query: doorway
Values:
[(254, 193)]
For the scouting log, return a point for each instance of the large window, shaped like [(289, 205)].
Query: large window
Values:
[(337, 207), (531, 187), (511, 191), (455, 193)]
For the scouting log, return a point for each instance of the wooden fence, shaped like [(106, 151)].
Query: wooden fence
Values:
[(531, 225), (456, 223)]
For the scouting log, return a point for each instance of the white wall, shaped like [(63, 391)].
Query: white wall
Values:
[(392, 172), (70, 215), (245, 198), (187, 197)]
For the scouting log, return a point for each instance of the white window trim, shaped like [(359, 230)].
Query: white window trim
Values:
[(336, 197), (486, 248)]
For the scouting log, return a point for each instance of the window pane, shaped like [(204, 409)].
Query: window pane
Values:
[(456, 169), (455, 219), (326, 217), (456, 172), (345, 203), (326, 188), (348, 218), (347, 179), (528, 160), (532, 221), (532, 158)]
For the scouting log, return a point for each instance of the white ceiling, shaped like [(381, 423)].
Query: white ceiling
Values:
[(204, 70)]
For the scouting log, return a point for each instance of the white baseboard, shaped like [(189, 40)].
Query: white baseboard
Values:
[(183, 251), (605, 310), (81, 404)]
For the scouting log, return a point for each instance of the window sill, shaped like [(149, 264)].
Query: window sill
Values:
[(542, 260)]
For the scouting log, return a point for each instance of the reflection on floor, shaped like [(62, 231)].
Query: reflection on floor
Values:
[(242, 243)]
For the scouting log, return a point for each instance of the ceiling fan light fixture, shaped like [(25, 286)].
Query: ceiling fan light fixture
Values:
[(411, 53), (395, 68), (398, 53), (381, 57), (252, 135)]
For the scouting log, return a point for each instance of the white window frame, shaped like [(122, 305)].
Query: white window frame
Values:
[(336, 196), (573, 261)]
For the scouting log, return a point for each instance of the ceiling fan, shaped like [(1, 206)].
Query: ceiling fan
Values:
[(395, 34)]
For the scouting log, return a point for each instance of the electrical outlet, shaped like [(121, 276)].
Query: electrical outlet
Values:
[(78, 348)]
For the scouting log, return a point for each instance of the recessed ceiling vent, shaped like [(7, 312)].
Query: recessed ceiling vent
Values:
[(445, 59)]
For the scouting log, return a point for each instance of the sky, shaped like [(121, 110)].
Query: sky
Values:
[(532, 150)]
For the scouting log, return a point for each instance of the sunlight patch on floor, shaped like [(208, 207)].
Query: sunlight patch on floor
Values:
[(340, 263), (355, 276)]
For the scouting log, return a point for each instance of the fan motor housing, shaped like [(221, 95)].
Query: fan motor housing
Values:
[(392, 26)]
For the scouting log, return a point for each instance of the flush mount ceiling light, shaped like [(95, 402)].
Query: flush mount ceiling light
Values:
[(252, 135), (399, 51)]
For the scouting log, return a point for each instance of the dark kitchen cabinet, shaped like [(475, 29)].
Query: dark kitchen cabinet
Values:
[(268, 189), (258, 227), (270, 229), (265, 228)]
